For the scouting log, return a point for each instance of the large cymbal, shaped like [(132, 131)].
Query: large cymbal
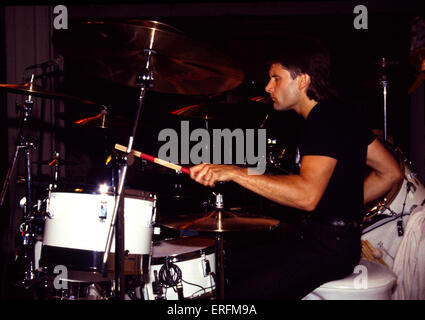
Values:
[(34, 90), (117, 52), (220, 220)]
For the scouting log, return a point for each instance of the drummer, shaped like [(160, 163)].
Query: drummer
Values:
[(330, 189)]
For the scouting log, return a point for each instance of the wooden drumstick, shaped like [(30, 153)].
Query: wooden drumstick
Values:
[(153, 159)]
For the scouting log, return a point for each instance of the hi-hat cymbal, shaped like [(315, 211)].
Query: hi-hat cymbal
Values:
[(56, 161), (103, 121), (220, 220), (117, 52), (34, 90), (100, 120)]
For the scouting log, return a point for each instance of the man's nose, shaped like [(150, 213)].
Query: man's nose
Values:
[(268, 87)]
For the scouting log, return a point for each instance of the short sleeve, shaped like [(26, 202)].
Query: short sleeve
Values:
[(321, 135)]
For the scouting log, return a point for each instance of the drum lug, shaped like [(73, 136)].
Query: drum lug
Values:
[(103, 210), (206, 268)]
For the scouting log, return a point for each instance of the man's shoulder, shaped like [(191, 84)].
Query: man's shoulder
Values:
[(336, 109)]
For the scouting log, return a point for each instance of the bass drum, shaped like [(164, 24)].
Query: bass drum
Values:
[(386, 219)]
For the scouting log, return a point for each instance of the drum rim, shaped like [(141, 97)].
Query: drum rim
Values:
[(180, 257), (128, 193)]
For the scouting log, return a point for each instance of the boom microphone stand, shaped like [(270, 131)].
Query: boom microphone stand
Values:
[(144, 80)]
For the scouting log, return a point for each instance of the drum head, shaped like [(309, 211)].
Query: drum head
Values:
[(181, 249)]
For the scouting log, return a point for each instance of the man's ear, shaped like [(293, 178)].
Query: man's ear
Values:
[(303, 81)]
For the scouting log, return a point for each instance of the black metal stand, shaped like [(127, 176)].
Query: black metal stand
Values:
[(26, 227), (219, 245), (144, 81), (220, 266)]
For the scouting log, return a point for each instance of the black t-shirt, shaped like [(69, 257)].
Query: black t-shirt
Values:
[(332, 129)]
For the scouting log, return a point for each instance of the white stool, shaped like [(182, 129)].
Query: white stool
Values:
[(369, 281)]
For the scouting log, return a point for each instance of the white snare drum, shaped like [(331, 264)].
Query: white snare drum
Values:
[(76, 230), (182, 268)]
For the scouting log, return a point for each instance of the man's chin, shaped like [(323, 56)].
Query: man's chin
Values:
[(278, 107)]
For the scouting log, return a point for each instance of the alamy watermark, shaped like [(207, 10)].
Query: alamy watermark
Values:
[(361, 20), (61, 17), (361, 280), (60, 281), (250, 147)]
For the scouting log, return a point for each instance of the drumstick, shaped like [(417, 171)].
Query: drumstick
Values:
[(153, 159)]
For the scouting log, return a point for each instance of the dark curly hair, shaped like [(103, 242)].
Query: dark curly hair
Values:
[(307, 56)]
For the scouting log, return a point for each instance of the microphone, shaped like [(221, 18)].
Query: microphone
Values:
[(46, 64)]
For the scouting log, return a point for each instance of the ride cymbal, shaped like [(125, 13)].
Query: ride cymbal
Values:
[(220, 220), (34, 90)]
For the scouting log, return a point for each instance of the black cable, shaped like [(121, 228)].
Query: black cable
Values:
[(196, 285), (169, 275)]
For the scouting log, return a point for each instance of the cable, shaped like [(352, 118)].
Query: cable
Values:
[(169, 275), (196, 285)]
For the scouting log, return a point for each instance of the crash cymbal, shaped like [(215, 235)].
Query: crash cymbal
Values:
[(117, 52), (34, 90), (220, 220)]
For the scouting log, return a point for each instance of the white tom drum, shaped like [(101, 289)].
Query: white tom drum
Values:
[(182, 268), (76, 230)]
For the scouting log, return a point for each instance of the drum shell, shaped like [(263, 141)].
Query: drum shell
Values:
[(78, 225), (190, 255), (383, 235)]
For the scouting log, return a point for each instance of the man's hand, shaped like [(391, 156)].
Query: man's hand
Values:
[(209, 174)]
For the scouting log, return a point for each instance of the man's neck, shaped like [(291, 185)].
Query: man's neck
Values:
[(306, 107)]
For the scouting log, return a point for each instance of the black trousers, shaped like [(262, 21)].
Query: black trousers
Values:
[(290, 261)]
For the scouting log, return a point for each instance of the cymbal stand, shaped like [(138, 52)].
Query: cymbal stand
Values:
[(26, 228), (219, 249), (144, 81)]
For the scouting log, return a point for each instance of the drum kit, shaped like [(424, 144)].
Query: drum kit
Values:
[(97, 242)]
